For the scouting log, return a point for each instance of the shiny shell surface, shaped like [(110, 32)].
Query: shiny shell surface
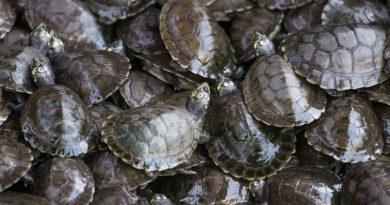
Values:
[(64, 181), (242, 146), (276, 96), (304, 17), (15, 161), (348, 131), (56, 121), (308, 156), (93, 75), (15, 198), (70, 19), (118, 196), (224, 10), (383, 113), (7, 17), (340, 57), (281, 4), (195, 40)]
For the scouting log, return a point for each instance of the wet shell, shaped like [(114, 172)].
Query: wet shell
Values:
[(324, 56), (383, 113), (118, 196), (223, 10), (56, 121), (276, 96), (304, 17), (207, 53), (7, 17), (281, 4), (15, 198), (70, 19), (348, 131), (93, 75)]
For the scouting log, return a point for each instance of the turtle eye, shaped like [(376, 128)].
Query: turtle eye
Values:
[(200, 95)]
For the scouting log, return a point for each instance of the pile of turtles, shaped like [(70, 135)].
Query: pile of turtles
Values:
[(194, 102)]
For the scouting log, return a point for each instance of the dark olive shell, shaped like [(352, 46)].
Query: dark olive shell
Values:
[(93, 75), (383, 113), (281, 4), (197, 159), (7, 17), (355, 11), (224, 10), (56, 121), (242, 146), (70, 19), (340, 57), (16, 39), (303, 185), (367, 183), (379, 93), (101, 111), (348, 131), (246, 23), (207, 53), (276, 96), (304, 17), (15, 161), (117, 195), (141, 87), (109, 171), (64, 181), (15, 198)]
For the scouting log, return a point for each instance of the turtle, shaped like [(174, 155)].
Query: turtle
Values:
[(4, 110), (70, 19), (111, 11), (101, 111), (246, 23), (207, 53), (141, 87), (348, 131), (281, 4), (117, 195), (7, 17), (303, 185), (223, 10), (160, 199), (15, 161), (109, 171), (64, 181), (161, 126), (40, 38), (379, 93), (274, 94), (355, 11), (240, 145), (383, 114), (16, 39), (338, 57), (15, 198)]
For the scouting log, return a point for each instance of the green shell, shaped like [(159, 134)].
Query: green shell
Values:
[(7, 17), (153, 138), (281, 4), (15, 198), (101, 111), (56, 121)]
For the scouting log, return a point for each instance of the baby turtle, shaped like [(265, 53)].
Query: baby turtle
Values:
[(195, 40), (16, 39), (224, 10), (383, 113), (117, 195), (281, 4), (160, 199), (101, 111), (64, 181), (348, 131), (147, 137), (240, 145), (15, 198), (379, 93), (7, 17), (339, 57), (275, 95)]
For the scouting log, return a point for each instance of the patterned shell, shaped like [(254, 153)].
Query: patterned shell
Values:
[(93, 75), (15, 198), (379, 93), (15, 161), (4, 112), (348, 131), (101, 111), (70, 19), (383, 113), (117, 195), (153, 138), (64, 181), (242, 146), (224, 10), (276, 96), (340, 57), (7, 17), (56, 121), (281, 4), (195, 40), (304, 17)]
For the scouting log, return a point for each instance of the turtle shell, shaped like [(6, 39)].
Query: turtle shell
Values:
[(93, 75), (205, 2), (160, 199), (383, 113), (379, 93), (64, 181), (7, 17), (16, 39), (110, 171), (242, 146), (118, 196), (355, 11), (367, 183), (4, 112), (304, 17), (15, 161), (15, 198), (281, 4), (70, 19), (276, 96), (101, 111), (224, 10), (207, 53), (141, 87), (340, 57), (246, 23), (348, 131), (197, 159), (56, 121), (303, 185)]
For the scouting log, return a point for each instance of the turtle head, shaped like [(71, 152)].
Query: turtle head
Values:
[(55, 46), (40, 37), (160, 199), (199, 100), (225, 86), (263, 45), (42, 73)]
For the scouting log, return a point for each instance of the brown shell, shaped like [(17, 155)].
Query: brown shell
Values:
[(379, 93), (348, 131), (70, 19), (304, 17), (281, 4), (15, 198), (7, 17), (117, 196), (324, 57), (16, 39), (224, 10), (383, 113), (4, 112), (195, 40), (276, 96), (101, 111)]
